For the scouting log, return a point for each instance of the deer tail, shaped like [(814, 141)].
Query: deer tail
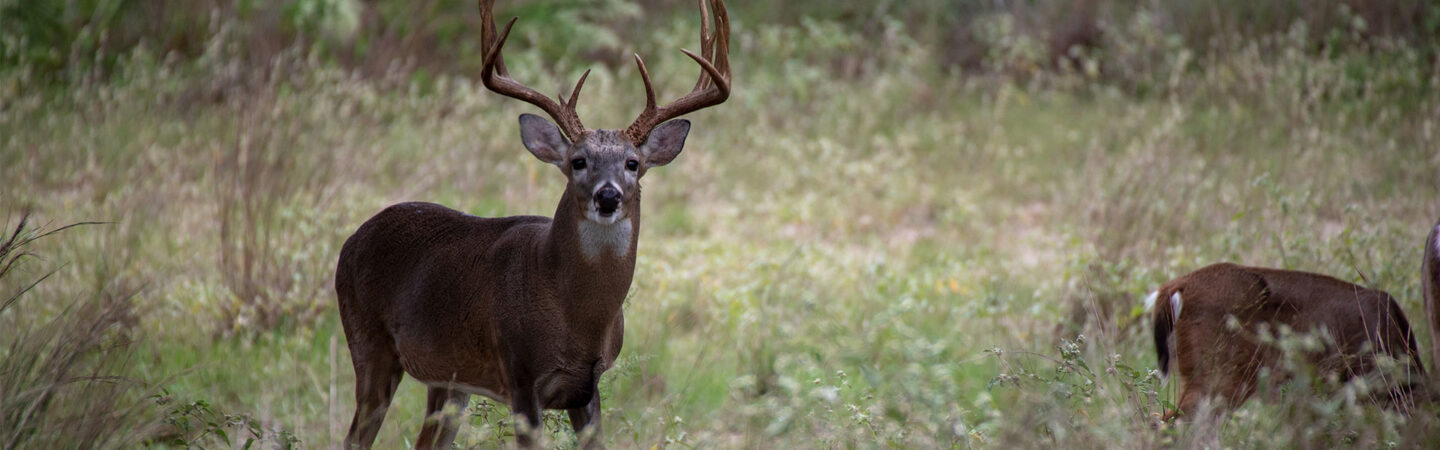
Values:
[(1166, 308)]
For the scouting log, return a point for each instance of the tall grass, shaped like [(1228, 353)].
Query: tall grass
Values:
[(68, 371), (64, 379)]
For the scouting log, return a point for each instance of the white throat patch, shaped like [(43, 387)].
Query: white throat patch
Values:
[(597, 239)]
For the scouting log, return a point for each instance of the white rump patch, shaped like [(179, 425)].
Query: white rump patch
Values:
[(1150, 300), (598, 239), (1175, 304)]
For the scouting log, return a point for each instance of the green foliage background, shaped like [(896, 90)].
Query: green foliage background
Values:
[(915, 224)]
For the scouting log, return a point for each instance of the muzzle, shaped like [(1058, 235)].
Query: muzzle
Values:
[(607, 200)]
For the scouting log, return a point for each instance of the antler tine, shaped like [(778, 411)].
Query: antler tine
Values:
[(713, 86), (649, 88), (706, 41), (488, 35), (720, 41), (575, 94), (495, 77)]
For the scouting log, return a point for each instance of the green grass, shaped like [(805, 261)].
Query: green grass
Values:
[(876, 259)]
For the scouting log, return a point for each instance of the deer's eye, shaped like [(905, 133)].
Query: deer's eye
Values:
[(577, 164), (632, 165)]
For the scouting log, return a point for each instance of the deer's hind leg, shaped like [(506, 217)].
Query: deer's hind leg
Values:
[(377, 374), (440, 428)]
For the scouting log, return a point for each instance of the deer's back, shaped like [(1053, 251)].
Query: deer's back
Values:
[(422, 279), (408, 243), (1358, 319), (1316, 299)]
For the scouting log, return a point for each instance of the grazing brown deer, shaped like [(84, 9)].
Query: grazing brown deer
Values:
[(525, 310), (1217, 313)]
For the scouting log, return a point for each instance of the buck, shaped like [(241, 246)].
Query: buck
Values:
[(525, 310), (1217, 314), (1430, 285)]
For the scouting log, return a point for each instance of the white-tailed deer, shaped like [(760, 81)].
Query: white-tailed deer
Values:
[(1221, 361), (525, 310), (1430, 283)]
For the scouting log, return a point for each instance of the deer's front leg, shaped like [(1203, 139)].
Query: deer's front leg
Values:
[(586, 421), (525, 409)]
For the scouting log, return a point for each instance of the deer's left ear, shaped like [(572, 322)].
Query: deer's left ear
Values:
[(543, 139), (665, 142)]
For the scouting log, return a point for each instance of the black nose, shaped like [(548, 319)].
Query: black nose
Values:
[(608, 200)]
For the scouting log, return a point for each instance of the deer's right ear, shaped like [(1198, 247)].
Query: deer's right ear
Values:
[(665, 142), (543, 139)]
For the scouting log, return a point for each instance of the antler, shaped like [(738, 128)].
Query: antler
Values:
[(497, 79), (711, 89)]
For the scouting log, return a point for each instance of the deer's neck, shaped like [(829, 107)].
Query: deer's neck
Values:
[(593, 265), (605, 241), (597, 261)]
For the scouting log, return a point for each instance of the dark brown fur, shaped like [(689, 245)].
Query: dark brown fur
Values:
[(501, 304), (525, 310), (1430, 280), (1223, 363)]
